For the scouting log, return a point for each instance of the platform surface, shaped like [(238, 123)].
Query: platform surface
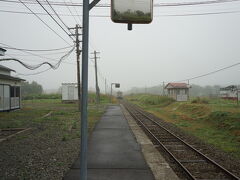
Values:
[(113, 152)]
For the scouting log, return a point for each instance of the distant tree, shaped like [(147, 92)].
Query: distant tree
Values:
[(139, 13), (31, 88)]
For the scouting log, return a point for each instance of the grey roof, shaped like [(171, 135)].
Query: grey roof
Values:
[(6, 68), (3, 76)]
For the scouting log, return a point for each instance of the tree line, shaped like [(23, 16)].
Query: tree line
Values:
[(195, 90)]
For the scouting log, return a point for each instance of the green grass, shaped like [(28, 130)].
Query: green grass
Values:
[(62, 117), (215, 121), (42, 96), (154, 100)]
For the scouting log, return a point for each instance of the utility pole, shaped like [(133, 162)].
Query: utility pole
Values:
[(105, 86), (237, 97), (163, 92), (84, 103), (96, 77), (78, 52)]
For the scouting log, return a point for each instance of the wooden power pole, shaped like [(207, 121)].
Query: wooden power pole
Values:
[(105, 86), (96, 77), (78, 52)]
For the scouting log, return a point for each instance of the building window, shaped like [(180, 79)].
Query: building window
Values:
[(17, 91), (12, 91)]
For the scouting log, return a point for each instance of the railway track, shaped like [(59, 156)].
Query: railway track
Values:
[(193, 164)]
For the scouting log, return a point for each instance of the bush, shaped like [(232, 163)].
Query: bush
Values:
[(42, 96), (199, 100)]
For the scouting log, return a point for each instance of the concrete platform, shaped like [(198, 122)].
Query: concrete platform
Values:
[(113, 152)]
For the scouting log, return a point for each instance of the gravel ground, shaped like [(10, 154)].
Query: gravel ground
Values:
[(40, 153), (226, 160)]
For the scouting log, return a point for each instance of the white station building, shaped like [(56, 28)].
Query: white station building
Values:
[(10, 90)]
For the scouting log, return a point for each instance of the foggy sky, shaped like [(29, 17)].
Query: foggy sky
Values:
[(169, 49)]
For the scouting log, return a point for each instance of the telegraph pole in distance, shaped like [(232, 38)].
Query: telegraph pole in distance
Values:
[(78, 52), (105, 86), (96, 77), (163, 92)]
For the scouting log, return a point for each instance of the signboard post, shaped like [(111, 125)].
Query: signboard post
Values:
[(117, 85)]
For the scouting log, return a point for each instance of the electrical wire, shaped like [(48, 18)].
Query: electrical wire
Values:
[(37, 50), (76, 12), (53, 19), (157, 16), (41, 54), (58, 16), (210, 73), (155, 5), (33, 67), (33, 73), (71, 13), (43, 57), (33, 54), (12, 56), (44, 22)]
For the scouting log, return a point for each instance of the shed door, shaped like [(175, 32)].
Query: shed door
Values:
[(17, 99), (71, 92), (1, 98), (6, 95)]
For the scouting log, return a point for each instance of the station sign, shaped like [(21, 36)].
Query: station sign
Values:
[(132, 11)]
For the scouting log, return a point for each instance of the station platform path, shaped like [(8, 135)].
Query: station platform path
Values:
[(113, 153)]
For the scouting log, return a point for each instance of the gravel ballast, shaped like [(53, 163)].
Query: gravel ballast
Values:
[(40, 153)]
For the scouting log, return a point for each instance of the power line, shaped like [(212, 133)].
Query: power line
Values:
[(198, 14), (12, 56), (58, 16), (71, 13), (210, 73), (33, 67), (53, 18), (33, 73), (43, 22), (37, 50), (108, 5), (163, 15), (33, 54), (41, 54), (76, 12)]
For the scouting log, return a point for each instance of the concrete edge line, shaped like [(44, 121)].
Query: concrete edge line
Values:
[(159, 167)]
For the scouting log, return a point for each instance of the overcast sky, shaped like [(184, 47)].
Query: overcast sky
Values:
[(169, 49)]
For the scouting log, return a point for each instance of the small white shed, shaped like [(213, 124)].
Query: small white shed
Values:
[(69, 92)]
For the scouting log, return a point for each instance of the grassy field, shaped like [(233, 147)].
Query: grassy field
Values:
[(215, 121), (52, 114)]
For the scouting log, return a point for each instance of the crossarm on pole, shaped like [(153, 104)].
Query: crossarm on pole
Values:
[(93, 3)]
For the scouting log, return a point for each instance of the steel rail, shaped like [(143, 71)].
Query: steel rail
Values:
[(188, 145), (146, 128)]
